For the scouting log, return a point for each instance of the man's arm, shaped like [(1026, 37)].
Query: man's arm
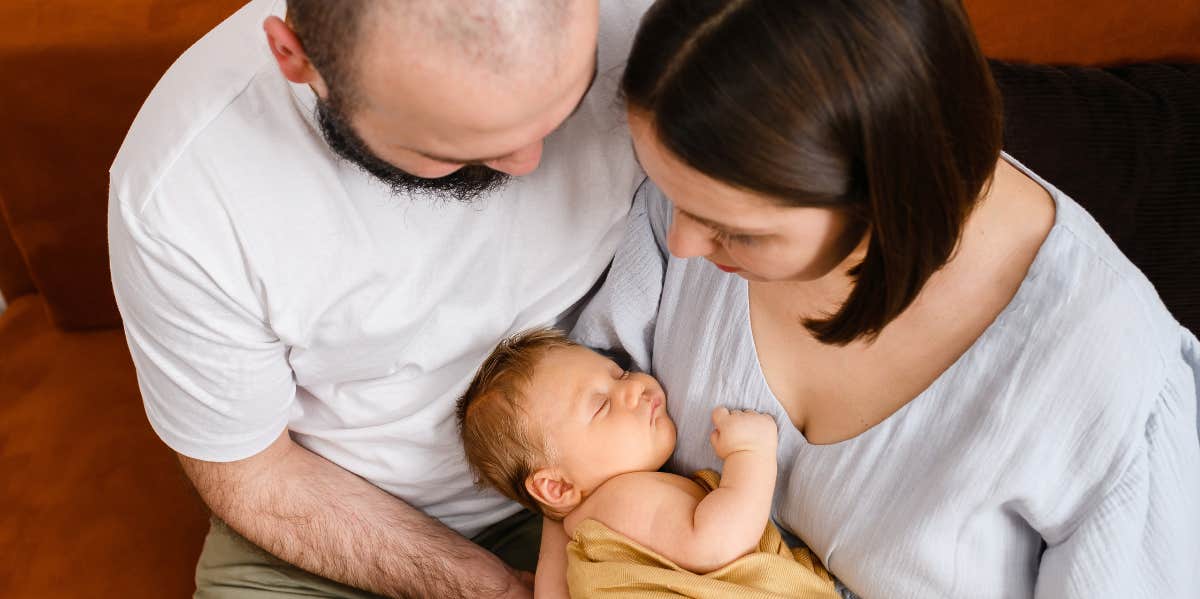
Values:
[(310, 512)]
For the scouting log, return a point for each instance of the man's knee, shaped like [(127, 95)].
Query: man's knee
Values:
[(231, 567)]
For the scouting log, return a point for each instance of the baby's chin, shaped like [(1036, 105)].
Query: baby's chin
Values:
[(670, 448)]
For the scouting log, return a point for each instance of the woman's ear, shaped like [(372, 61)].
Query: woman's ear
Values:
[(551, 488)]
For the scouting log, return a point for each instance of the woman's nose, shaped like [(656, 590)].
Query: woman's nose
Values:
[(686, 239)]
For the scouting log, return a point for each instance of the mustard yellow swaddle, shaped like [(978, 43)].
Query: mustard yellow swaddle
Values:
[(604, 563)]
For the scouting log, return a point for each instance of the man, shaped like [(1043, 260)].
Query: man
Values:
[(323, 218)]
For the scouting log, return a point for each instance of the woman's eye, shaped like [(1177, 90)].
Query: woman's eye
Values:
[(724, 237)]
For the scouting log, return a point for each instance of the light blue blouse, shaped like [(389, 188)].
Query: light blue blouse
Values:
[(1057, 458)]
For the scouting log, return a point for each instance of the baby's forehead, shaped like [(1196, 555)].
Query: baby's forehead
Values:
[(563, 373)]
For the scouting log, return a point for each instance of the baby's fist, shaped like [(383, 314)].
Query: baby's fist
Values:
[(742, 430)]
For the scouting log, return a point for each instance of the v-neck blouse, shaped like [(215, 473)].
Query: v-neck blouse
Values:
[(1057, 457)]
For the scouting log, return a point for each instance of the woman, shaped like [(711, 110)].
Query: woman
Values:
[(978, 395)]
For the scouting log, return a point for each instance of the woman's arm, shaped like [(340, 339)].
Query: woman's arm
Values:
[(1142, 537), (551, 579)]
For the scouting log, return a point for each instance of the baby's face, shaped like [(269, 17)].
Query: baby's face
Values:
[(599, 420)]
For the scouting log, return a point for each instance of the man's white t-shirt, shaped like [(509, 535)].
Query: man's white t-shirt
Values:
[(265, 284)]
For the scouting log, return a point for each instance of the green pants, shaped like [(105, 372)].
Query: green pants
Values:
[(232, 567)]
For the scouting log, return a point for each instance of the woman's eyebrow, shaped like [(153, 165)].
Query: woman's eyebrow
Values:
[(712, 224)]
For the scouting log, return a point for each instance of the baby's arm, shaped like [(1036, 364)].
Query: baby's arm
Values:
[(729, 522), (672, 515)]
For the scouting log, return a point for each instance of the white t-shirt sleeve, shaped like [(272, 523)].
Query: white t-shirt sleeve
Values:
[(1142, 537), (215, 380)]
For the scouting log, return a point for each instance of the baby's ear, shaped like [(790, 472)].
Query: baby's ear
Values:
[(552, 489)]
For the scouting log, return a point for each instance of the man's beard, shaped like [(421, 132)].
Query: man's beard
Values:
[(466, 185)]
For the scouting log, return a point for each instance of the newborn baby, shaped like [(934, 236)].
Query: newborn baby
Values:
[(570, 434)]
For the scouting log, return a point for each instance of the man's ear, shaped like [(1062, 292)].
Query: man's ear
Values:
[(554, 490), (289, 53)]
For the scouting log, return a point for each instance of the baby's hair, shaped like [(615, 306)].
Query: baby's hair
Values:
[(492, 419)]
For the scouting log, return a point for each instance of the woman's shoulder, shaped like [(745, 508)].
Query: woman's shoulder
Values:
[(1084, 289), (1086, 332)]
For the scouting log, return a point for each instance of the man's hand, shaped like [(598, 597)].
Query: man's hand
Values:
[(743, 430)]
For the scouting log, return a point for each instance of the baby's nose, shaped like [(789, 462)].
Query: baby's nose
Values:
[(634, 392)]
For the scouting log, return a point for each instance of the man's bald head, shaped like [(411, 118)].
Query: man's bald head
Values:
[(449, 97), (502, 37)]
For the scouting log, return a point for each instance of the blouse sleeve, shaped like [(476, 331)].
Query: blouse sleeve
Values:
[(1141, 538), (622, 314)]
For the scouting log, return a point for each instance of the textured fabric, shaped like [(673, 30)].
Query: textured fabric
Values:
[(231, 567), (604, 563), (1125, 141), (92, 504), (265, 283), (1057, 458)]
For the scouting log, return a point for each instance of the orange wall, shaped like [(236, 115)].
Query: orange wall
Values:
[(28, 24), (1088, 31), (1071, 31)]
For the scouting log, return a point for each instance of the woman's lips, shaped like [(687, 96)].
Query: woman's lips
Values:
[(726, 268)]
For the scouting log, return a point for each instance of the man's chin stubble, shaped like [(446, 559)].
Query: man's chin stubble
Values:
[(467, 185)]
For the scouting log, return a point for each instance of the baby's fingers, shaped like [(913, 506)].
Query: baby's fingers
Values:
[(719, 414)]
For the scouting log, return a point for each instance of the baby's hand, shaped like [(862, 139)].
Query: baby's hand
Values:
[(743, 430)]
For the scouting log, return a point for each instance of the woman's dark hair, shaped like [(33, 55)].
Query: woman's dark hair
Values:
[(884, 107)]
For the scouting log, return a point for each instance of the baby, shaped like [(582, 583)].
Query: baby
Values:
[(571, 435)]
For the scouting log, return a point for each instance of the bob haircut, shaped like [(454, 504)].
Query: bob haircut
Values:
[(884, 108)]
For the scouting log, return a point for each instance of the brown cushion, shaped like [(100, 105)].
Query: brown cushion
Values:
[(14, 277), (75, 74), (1087, 31), (93, 504), (1124, 142)]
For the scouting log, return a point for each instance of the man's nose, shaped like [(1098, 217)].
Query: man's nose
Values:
[(686, 239), (521, 162)]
